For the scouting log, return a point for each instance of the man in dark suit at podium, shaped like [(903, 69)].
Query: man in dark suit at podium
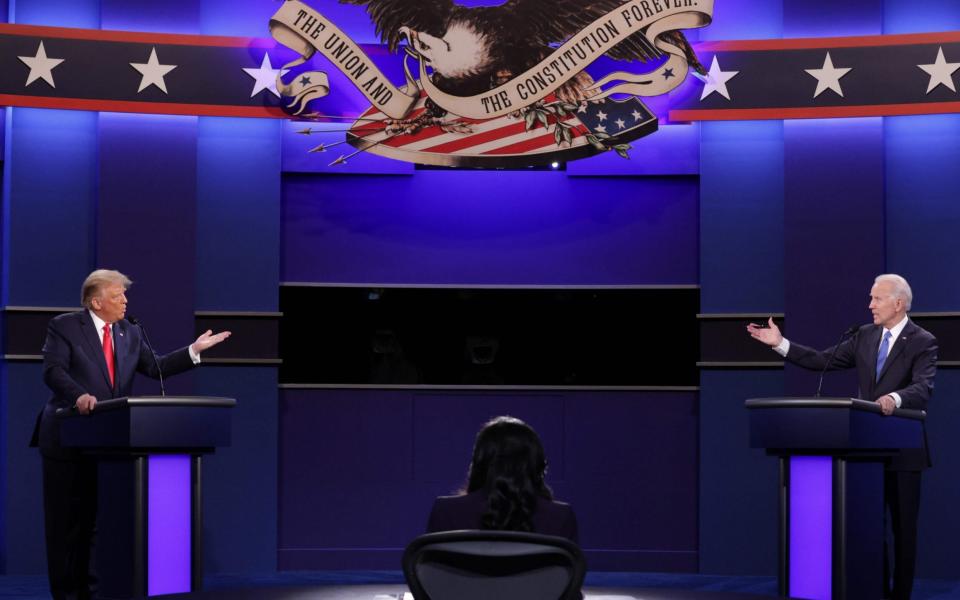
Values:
[(896, 363), (88, 356)]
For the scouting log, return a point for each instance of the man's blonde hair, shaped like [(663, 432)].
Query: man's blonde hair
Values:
[(99, 279)]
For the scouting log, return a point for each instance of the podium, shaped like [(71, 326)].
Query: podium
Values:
[(832, 453), (149, 517)]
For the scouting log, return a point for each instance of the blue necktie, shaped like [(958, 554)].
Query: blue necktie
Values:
[(882, 354)]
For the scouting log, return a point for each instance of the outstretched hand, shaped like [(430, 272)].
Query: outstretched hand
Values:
[(208, 340), (769, 335)]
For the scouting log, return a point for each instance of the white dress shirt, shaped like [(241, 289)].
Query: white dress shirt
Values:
[(98, 324)]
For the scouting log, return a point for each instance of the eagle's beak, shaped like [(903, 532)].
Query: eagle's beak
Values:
[(411, 36), (415, 46)]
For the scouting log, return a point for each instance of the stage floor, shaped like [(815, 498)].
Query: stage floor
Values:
[(399, 592), (367, 585)]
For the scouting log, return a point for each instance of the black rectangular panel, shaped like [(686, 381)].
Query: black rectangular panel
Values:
[(489, 336)]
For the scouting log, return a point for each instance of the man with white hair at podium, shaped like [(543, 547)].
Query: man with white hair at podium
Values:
[(896, 361)]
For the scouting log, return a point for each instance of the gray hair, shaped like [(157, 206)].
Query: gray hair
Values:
[(901, 289), (98, 280)]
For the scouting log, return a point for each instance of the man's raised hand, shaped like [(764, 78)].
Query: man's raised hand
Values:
[(208, 340), (769, 335)]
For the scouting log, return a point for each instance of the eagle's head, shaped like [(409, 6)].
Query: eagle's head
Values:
[(462, 52)]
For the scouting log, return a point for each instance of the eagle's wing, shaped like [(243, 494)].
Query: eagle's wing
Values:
[(554, 21), (390, 15)]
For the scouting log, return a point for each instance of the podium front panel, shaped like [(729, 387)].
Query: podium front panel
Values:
[(169, 427), (806, 428)]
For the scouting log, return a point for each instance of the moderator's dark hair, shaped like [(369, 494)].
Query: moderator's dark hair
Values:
[(509, 464)]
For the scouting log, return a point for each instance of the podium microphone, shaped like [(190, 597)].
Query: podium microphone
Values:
[(850, 331), (143, 332)]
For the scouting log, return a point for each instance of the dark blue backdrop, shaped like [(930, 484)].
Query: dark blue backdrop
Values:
[(766, 217)]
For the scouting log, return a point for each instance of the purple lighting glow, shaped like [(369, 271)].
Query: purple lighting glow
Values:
[(811, 522), (168, 524)]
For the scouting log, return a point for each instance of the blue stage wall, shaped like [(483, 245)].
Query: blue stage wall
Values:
[(833, 232), (23, 391), (792, 217), (58, 13), (903, 16), (359, 470), (741, 217), (238, 186), (4, 458), (802, 18), (49, 229), (938, 527), (240, 481), (146, 224), (741, 271), (52, 219), (739, 491), (923, 214), (489, 227)]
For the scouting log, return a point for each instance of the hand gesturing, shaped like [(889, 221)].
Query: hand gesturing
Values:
[(769, 335), (208, 340)]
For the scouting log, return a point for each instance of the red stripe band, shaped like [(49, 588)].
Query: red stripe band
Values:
[(157, 108), (824, 112)]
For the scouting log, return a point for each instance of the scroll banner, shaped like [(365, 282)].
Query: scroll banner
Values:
[(304, 30)]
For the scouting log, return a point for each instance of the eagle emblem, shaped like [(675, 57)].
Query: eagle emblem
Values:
[(505, 85)]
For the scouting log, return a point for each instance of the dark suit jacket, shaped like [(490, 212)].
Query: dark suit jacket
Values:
[(73, 365), (909, 371), (450, 513)]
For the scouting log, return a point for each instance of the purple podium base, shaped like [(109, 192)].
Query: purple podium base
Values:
[(811, 525), (169, 531), (148, 525)]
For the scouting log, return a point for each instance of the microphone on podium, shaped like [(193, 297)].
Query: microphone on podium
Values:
[(136, 321), (851, 331)]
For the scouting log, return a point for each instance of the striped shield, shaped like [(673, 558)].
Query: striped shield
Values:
[(515, 140)]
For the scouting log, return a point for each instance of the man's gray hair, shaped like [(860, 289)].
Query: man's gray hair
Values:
[(901, 289), (99, 279)]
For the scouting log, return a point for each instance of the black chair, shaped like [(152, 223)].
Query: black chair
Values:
[(480, 565)]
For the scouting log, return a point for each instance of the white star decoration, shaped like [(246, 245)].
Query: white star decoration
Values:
[(940, 72), (265, 77), (828, 77), (41, 67), (601, 115), (717, 80), (620, 123), (152, 72)]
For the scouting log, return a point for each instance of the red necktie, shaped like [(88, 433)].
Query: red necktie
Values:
[(108, 351)]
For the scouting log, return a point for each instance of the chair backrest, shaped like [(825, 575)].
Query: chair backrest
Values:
[(480, 565)]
